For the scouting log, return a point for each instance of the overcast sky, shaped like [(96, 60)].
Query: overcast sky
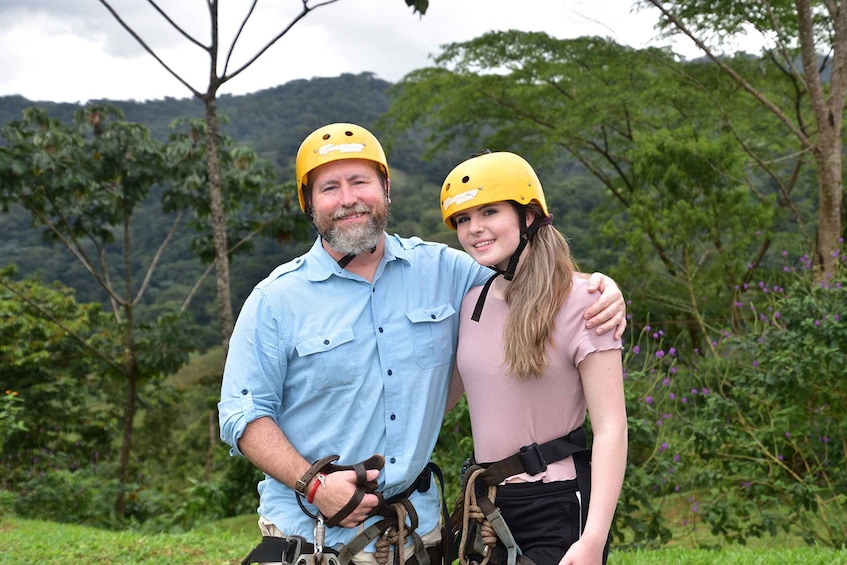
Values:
[(74, 50)]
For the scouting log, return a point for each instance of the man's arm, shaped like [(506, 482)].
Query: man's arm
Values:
[(609, 311), (267, 447)]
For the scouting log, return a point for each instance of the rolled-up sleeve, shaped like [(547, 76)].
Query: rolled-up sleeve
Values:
[(253, 375)]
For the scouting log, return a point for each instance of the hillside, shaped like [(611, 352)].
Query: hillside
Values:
[(273, 122)]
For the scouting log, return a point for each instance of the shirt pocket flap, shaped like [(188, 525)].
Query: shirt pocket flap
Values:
[(431, 314), (324, 342)]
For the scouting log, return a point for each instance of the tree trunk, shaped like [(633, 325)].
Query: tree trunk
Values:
[(126, 444), (218, 222), (828, 108), (830, 198)]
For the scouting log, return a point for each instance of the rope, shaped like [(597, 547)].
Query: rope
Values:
[(472, 511), (392, 537)]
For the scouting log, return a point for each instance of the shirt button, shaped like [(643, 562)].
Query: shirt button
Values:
[(244, 391), (393, 416), (432, 316), (392, 460), (380, 330), (390, 372), (326, 342)]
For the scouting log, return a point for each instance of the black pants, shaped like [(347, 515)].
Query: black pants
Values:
[(544, 518)]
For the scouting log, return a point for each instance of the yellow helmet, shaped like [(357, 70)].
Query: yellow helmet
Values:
[(487, 178), (335, 142)]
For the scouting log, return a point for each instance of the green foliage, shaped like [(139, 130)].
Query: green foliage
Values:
[(11, 409), (85, 496), (671, 145), (454, 446), (778, 383), (750, 429)]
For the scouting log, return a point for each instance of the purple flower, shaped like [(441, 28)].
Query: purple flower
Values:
[(755, 363), (671, 395), (787, 434), (636, 350), (676, 457), (649, 400), (672, 351), (660, 354)]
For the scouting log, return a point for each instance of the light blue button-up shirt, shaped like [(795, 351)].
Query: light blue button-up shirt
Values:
[(350, 367)]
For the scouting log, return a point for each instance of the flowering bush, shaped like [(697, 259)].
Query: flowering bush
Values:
[(749, 432), (655, 381), (771, 448)]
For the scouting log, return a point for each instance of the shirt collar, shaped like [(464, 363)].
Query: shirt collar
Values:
[(324, 266)]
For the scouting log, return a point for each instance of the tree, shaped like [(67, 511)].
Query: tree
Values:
[(811, 33), (83, 183), (681, 199), (219, 74), (49, 364)]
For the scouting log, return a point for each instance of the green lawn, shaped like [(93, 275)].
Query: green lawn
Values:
[(227, 541)]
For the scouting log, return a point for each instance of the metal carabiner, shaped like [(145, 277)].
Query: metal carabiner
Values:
[(320, 536)]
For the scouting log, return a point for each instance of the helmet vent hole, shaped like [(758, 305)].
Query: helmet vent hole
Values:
[(466, 179), (348, 133), (326, 136)]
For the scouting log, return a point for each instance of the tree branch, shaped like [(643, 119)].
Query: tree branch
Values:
[(149, 50)]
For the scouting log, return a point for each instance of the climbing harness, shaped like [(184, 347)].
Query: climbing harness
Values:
[(478, 524), (391, 531)]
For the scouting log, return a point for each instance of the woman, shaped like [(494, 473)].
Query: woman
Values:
[(530, 369)]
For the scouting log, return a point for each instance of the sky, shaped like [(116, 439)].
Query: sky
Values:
[(75, 50)]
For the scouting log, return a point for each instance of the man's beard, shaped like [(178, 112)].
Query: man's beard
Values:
[(354, 240)]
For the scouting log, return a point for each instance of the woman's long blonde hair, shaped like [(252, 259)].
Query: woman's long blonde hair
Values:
[(538, 290)]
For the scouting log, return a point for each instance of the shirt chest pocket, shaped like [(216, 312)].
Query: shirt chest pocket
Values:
[(331, 359), (432, 335)]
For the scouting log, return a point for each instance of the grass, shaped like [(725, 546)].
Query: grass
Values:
[(33, 541), (228, 541)]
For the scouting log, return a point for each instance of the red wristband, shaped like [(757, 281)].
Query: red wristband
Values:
[(319, 480)]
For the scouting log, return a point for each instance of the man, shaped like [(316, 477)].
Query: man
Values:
[(347, 351)]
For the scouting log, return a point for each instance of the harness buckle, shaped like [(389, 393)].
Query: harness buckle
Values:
[(532, 459), (424, 480), (294, 549)]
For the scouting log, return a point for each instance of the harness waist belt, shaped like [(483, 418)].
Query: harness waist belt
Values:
[(533, 459)]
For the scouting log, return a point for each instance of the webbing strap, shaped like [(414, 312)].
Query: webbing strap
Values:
[(421, 484), (492, 513), (281, 550), (533, 459)]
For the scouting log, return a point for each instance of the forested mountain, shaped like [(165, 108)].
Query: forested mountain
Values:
[(273, 122)]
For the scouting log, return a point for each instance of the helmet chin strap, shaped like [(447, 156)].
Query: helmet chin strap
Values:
[(344, 261), (527, 235)]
